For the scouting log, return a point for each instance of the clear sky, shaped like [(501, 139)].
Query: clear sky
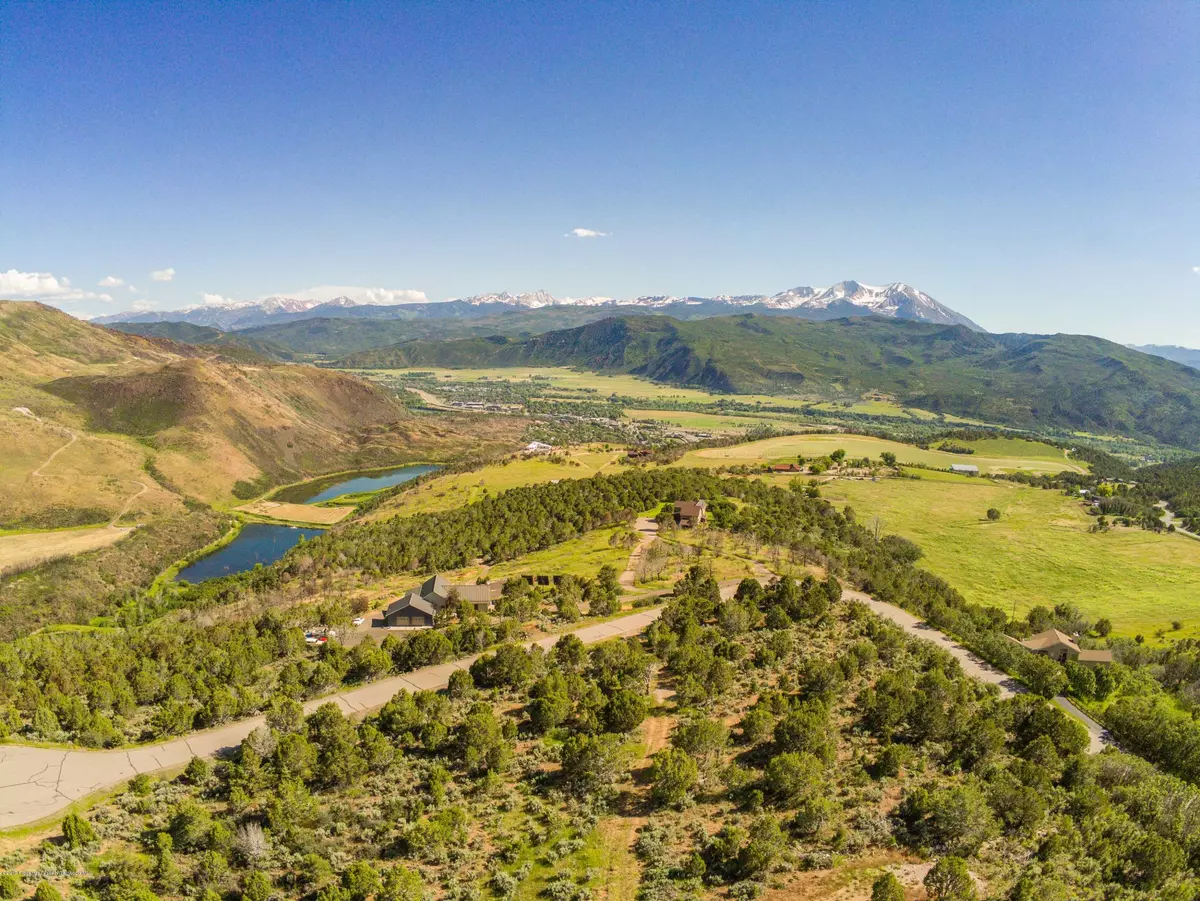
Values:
[(1035, 166)]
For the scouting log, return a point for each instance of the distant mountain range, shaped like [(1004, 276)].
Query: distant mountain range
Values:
[(1072, 382), (845, 299), (1188, 356)]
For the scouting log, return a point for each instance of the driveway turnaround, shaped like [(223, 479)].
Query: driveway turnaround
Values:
[(36, 783)]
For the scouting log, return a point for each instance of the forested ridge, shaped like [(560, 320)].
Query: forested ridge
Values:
[(1077, 382), (851, 743)]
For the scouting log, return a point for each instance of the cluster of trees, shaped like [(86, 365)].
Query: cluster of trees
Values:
[(279, 816), (1001, 784), (171, 677)]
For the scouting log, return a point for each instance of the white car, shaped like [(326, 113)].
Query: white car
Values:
[(358, 620)]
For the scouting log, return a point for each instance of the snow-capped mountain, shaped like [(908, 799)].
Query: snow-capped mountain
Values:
[(849, 298)]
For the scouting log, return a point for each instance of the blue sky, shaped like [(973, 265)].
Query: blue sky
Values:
[(1034, 166)]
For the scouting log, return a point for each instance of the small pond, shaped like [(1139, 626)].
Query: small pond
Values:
[(368, 482), (256, 543)]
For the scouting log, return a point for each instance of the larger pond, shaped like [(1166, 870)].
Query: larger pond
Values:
[(371, 482), (256, 543)]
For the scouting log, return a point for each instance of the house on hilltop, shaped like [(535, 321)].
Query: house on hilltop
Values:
[(1060, 646), (689, 514)]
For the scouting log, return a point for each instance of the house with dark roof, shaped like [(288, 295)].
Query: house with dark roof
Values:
[(689, 514), (412, 610), (435, 590)]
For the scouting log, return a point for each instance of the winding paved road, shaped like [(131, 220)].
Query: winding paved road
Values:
[(36, 783), (1098, 737)]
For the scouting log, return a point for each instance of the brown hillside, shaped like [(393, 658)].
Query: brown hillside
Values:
[(203, 421)]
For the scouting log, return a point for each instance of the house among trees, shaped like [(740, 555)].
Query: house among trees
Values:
[(420, 607), (689, 514), (411, 610), (1059, 646), (537, 447)]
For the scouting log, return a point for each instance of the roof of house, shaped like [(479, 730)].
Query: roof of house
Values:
[(436, 586), (411, 601), (690, 508), (963, 467), (1095, 656), (1049, 639), (474, 594)]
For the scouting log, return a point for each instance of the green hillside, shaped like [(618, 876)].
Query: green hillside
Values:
[(234, 345), (1067, 381)]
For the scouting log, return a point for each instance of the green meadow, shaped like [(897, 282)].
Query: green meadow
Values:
[(1039, 552), (1004, 455)]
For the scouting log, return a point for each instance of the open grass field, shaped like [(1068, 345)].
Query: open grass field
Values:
[(1040, 552), (31, 548), (713, 422), (562, 378), (570, 380), (786, 449), (458, 489), (284, 512)]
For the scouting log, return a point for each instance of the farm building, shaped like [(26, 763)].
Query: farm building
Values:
[(537, 447), (968, 469), (410, 610), (689, 514)]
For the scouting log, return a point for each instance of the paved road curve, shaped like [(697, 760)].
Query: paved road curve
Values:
[(1098, 737), (38, 782)]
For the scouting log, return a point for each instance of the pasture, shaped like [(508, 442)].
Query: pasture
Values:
[(304, 513), (712, 422), (459, 489), (1039, 552), (786, 449), (23, 550)]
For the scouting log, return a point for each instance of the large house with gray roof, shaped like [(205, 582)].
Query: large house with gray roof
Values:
[(419, 607)]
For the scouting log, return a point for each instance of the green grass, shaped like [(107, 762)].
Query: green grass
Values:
[(458, 489), (580, 556), (785, 450), (1040, 552), (713, 422), (561, 378)]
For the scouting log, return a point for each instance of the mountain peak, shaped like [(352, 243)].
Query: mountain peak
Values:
[(846, 298)]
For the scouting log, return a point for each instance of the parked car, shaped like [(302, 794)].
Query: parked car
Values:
[(359, 620)]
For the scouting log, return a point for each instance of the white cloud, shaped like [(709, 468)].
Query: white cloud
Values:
[(141, 306), (1196, 269), (110, 281), (215, 299), (163, 275), (586, 233), (43, 286), (358, 294)]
